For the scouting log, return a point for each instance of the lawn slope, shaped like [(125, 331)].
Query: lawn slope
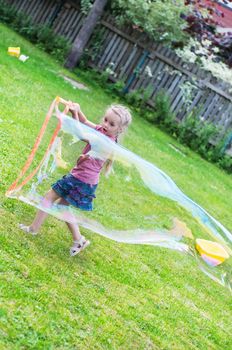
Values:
[(112, 296)]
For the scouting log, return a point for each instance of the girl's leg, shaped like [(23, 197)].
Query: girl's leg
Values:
[(73, 228), (79, 241), (49, 198)]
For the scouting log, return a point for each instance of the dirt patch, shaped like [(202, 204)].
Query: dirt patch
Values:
[(75, 83)]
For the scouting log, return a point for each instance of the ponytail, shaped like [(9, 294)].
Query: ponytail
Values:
[(126, 119)]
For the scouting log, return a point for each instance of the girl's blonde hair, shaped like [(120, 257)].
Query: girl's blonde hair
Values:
[(124, 114), (126, 118)]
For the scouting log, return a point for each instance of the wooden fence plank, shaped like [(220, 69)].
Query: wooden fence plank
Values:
[(45, 13), (109, 50), (65, 21), (153, 66), (178, 104), (159, 75), (143, 80), (21, 5), (130, 58), (216, 118), (29, 6), (168, 78), (98, 52), (165, 78), (178, 79), (37, 11), (107, 46), (117, 67), (58, 24), (130, 73), (176, 94), (104, 46), (194, 104), (77, 28), (210, 96), (74, 25), (224, 111), (140, 67), (112, 54), (156, 72), (118, 55), (68, 25)]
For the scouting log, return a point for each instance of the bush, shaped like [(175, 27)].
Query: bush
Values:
[(226, 163), (197, 134), (163, 115), (193, 132)]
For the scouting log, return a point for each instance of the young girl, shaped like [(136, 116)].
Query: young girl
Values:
[(79, 186)]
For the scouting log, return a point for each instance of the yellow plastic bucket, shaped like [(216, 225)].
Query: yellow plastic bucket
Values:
[(14, 51), (211, 249)]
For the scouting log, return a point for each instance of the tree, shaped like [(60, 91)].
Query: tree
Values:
[(85, 33), (160, 19)]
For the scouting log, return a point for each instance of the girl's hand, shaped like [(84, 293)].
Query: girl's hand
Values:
[(77, 114), (74, 108)]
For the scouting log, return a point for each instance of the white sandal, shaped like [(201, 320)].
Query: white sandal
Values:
[(27, 229), (78, 246)]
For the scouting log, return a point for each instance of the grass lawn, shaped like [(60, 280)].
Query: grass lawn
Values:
[(112, 296)]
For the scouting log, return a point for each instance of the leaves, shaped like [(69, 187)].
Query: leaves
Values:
[(161, 20)]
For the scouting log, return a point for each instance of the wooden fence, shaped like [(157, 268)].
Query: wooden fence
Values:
[(141, 64)]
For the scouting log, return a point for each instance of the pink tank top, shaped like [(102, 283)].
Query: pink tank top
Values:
[(88, 168)]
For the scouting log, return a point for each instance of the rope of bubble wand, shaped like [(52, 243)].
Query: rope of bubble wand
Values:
[(15, 186)]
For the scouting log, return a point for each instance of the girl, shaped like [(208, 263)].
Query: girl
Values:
[(79, 186)]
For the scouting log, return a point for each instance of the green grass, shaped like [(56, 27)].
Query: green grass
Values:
[(112, 296)]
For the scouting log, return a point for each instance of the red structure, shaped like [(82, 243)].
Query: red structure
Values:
[(226, 9)]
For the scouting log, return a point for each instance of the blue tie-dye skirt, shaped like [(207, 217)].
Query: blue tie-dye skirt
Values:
[(75, 192)]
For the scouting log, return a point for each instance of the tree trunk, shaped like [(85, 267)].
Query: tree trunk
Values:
[(85, 33)]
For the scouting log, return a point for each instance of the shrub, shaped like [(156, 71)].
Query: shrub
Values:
[(162, 109), (197, 134), (226, 163), (192, 131)]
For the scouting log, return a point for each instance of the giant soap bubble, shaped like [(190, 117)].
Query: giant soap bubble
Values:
[(54, 154)]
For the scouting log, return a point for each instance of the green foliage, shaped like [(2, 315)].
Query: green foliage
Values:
[(196, 134), (103, 80), (193, 132), (134, 98), (140, 97), (159, 19), (86, 6), (225, 162), (118, 87), (162, 110), (40, 35), (199, 135)]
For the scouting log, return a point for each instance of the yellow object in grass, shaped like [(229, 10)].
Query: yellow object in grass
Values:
[(14, 51), (211, 249), (180, 229)]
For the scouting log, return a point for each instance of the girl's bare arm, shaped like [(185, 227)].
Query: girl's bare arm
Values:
[(79, 115)]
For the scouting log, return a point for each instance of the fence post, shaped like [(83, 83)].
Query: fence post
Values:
[(227, 143), (137, 68)]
